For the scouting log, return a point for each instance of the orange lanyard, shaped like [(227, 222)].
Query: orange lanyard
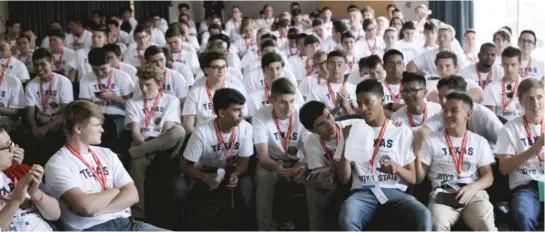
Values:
[(531, 137), (45, 96), (223, 146), (327, 153), (99, 176), (424, 117), (378, 142), (458, 158), (287, 135), (148, 115)]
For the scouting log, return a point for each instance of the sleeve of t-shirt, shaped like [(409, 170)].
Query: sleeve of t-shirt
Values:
[(172, 113), (313, 95), (190, 104), (84, 91), (314, 152), (67, 95), (488, 96), (493, 125), (408, 151), (131, 113), (397, 116), (426, 152), (435, 123), (120, 175), (299, 100), (18, 98), (420, 61), (195, 66), (487, 158), (22, 73), (126, 86), (247, 148), (195, 146), (471, 84), (182, 87), (251, 107), (59, 178), (29, 95), (504, 145), (260, 129)]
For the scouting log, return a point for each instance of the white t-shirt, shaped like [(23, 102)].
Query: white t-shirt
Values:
[(81, 63), (12, 94), (15, 68), (536, 69), (483, 122), (188, 58), (245, 45), (200, 80), (175, 85), (230, 72), (431, 84), (185, 71), (352, 61), (264, 23), (129, 69), (367, 48), (66, 57), (256, 80), (299, 66), (309, 83), (470, 73), (400, 115), (167, 110), (437, 156), (395, 88), (410, 50), (397, 145), (321, 93), (76, 43), (330, 45), (120, 82), (206, 151), (258, 99), (197, 103), (355, 78), (513, 140), (493, 96), (26, 217), (61, 94), (426, 61), (316, 156), (64, 171), (265, 131), (134, 57)]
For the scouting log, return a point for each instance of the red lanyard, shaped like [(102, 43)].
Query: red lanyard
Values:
[(295, 53), (372, 49), (100, 176), (58, 63), (351, 64), (109, 83), (333, 94), (287, 135), (248, 44), (223, 146), (378, 142), (504, 101), (148, 115), (327, 153), (319, 81), (398, 96), (531, 137), (45, 97), (309, 68), (267, 93), (179, 59), (140, 56), (209, 93), (164, 80), (527, 69), (424, 117), (471, 58), (458, 158), (483, 83)]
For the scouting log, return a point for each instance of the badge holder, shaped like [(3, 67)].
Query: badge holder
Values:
[(541, 188), (376, 190)]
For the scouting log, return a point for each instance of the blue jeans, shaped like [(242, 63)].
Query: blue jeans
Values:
[(124, 224), (359, 208), (526, 208)]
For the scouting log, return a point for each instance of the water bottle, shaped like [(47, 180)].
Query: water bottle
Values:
[(219, 177)]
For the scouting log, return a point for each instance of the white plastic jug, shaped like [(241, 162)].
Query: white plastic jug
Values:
[(359, 144)]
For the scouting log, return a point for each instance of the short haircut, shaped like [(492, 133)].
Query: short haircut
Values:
[(150, 71), (293, 33), (268, 36), (339, 26), (336, 53), (529, 32), (214, 26), (461, 96), (283, 23), (394, 19), (270, 58), (372, 61), (113, 48), (101, 28), (141, 29), (97, 56), (208, 57), (267, 43), (511, 52), (454, 82), (469, 31), (309, 112), (446, 55), (318, 55), (391, 52), (301, 36), (222, 37), (367, 23), (430, 26), (362, 63), (370, 86), (22, 36), (413, 77), (168, 55), (507, 28), (409, 25), (112, 22), (41, 53), (486, 45), (11, 22), (223, 98), (347, 35), (504, 34), (282, 86), (80, 112), (126, 26), (152, 51), (172, 31), (183, 5), (317, 22), (528, 84), (311, 39), (352, 8), (56, 32), (367, 9)]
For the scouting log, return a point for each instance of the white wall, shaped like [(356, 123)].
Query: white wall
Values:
[(252, 8), (407, 7), (196, 10), (3, 15)]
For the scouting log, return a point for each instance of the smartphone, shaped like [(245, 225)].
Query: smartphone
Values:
[(448, 199), (98, 94)]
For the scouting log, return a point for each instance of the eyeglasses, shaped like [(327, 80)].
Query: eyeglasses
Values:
[(218, 68), (10, 146), (411, 92), (526, 41)]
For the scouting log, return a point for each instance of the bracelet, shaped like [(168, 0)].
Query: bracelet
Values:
[(41, 198)]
